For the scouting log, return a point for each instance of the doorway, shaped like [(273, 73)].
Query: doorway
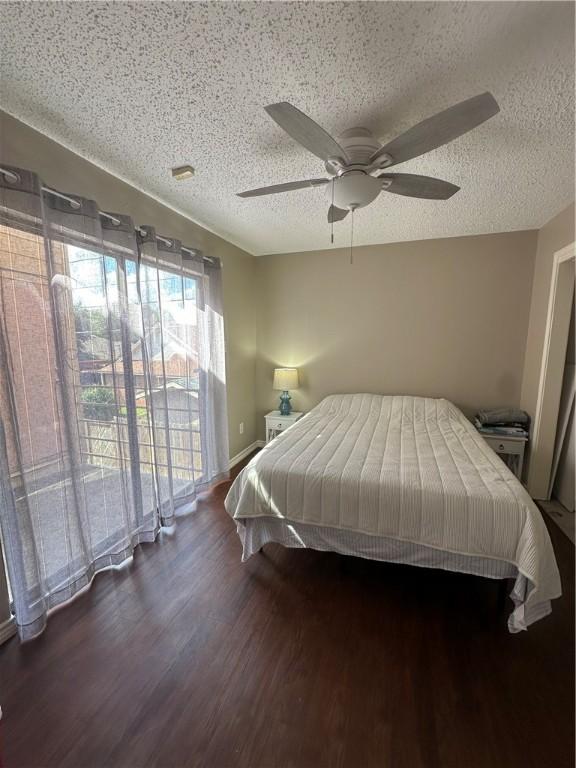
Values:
[(560, 302)]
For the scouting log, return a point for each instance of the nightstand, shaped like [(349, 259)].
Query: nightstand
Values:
[(275, 423), (510, 449)]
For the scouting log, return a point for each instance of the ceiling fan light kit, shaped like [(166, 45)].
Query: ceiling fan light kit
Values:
[(355, 161), (354, 189)]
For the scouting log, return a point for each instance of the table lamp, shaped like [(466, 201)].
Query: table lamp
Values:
[(284, 380)]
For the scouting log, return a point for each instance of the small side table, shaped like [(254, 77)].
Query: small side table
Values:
[(276, 423), (510, 449)]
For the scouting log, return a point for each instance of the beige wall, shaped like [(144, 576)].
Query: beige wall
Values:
[(444, 318), (551, 238), (20, 145)]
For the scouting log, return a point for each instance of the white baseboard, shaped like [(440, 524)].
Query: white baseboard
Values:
[(242, 455), (7, 629)]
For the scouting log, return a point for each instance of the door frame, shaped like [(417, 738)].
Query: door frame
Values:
[(544, 428)]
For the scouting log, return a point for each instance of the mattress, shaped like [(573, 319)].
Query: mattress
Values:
[(404, 469)]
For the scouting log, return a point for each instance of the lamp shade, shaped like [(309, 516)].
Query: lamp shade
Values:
[(285, 378)]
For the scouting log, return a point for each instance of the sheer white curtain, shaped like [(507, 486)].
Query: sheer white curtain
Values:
[(112, 389), (180, 296)]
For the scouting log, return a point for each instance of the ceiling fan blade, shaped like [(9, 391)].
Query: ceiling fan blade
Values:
[(336, 214), (305, 131), (288, 187), (411, 185), (438, 130)]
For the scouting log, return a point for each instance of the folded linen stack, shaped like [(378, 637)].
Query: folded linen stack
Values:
[(503, 421)]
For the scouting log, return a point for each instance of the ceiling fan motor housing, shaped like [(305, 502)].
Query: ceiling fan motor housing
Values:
[(359, 144)]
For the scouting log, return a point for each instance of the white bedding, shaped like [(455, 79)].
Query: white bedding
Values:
[(408, 469)]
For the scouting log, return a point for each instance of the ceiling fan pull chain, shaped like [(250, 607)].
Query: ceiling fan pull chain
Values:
[(332, 217), (352, 238)]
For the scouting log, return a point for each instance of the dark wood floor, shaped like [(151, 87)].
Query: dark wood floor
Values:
[(296, 659)]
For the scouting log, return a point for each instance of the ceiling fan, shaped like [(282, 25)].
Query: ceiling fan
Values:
[(354, 162)]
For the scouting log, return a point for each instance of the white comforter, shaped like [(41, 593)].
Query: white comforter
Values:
[(412, 469)]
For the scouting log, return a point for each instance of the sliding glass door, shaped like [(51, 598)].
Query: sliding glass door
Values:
[(112, 393)]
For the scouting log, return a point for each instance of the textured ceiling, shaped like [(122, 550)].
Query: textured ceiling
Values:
[(138, 88)]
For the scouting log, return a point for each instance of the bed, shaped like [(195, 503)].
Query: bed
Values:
[(399, 479)]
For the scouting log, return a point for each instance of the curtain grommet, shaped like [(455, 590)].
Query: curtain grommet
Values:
[(10, 176)]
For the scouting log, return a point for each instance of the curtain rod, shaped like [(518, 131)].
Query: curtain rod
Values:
[(76, 205)]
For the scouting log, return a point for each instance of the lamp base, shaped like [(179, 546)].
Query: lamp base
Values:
[(285, 407)]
